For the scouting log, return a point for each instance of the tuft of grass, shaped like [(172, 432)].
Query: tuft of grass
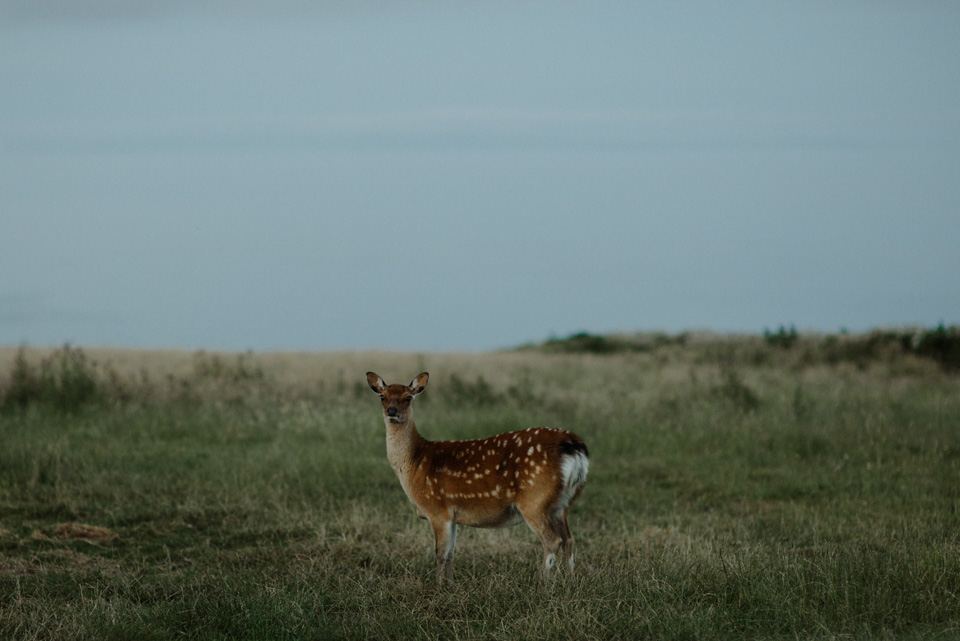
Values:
[(478, 393), (65, 380), (736, 392)]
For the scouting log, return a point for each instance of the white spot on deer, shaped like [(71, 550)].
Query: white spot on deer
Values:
[(538, 447), (530, 451)]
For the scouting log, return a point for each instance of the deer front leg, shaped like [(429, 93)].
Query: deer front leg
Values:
[(445, 533)]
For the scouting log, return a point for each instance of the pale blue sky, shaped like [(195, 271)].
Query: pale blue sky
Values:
[(469, 176)]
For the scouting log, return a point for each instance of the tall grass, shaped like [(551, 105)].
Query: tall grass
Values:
[(738, 489)]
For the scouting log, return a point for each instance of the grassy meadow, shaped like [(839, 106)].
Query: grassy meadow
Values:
[(765, 487)]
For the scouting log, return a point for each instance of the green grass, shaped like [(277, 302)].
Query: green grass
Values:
[(737, 489)]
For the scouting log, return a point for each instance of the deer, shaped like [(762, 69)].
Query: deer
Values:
[(529, 476)]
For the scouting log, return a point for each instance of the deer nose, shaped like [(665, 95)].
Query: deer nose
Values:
[(391, 411)]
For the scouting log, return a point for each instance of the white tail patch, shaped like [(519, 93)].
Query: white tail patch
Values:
[(573, 469)]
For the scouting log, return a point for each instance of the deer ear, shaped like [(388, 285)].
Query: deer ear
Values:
[(376, 383), (417, 385)]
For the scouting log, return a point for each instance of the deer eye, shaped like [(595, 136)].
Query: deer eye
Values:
[(408, 399), (382, 397)]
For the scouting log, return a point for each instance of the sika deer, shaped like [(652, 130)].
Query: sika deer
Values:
[(532, 475)]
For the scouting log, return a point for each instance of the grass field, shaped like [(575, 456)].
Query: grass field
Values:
[(770, 487)]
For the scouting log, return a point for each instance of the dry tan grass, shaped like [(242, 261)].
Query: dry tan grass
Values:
[(305, 371), (92, 533)]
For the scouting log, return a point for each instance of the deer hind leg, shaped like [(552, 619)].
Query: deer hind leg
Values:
[(445, 533), (550, 535), (567, 537), (560, 514)]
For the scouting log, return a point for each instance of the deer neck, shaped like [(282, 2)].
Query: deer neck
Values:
[(403, 443)]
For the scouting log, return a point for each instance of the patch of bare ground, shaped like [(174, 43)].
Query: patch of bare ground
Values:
[(92, 533), (15, 567)]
